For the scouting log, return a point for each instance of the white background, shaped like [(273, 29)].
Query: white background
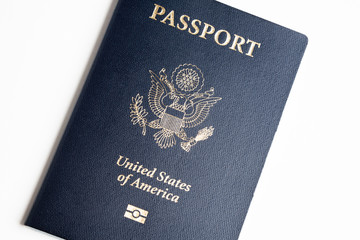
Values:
[(309, 188)]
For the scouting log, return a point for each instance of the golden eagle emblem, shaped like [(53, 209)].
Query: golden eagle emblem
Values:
[(177, 107)]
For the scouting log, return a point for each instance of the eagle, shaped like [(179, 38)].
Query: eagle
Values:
[(178, 109)]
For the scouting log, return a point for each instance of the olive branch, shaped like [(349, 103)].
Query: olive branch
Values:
[(138, 113)]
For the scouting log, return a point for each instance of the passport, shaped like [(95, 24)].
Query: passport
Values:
[(173, 125)]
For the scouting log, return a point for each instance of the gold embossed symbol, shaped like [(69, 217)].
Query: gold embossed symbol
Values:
[(136, 214), (177, 107)]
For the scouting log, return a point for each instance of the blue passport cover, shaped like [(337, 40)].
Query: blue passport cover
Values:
[(172, 128)]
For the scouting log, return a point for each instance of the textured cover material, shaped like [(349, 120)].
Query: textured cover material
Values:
[(172, 128)]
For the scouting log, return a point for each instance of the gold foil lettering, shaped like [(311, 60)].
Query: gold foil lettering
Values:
[(252, 47), (184, 22), (163, 177), (207, 31), (227, 40), (238, 44), (119, 163), (156, 11), (154, 190), (171, 18), (196, 28)]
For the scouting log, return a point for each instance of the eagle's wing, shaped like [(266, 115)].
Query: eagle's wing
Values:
[(202, 109), (157, 90)]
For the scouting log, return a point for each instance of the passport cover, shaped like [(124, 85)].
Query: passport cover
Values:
[(171, 131)]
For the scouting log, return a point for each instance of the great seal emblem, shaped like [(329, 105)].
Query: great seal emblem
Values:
[(177, 107)]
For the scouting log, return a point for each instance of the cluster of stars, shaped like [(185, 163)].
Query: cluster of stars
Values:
[(187, 79)]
